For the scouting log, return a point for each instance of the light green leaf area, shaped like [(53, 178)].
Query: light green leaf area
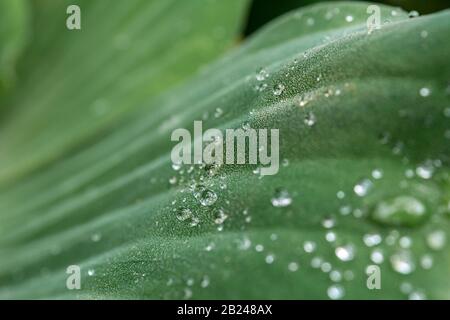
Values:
[(363, 180), (76, 83), (14, 24)]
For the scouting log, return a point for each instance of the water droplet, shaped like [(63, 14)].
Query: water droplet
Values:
[(176, 166), (424, 34), (425, 171), (340, 194), (205, 196), (330, 236), (205, 282), (377, 256), (262, 74), (345, 253), (187, 293), (316, 262), (309, 246), (405, 242), (260, 87), (326, 267), (218, 113), (244, 244), (402, 262), (293, 266), (173, 180), (400, 211), (363, 187), (349, 18), (246, 126), (424, 92), (91, 272), (96, 237), (285, 162), (426, 261), (372, 239), (259, 248), (282, 198), (335, 276), (270, 258), (184, 214), (413, 14), (278, 89), (194, 222), (417, 295), (310, 119), (436, 239), (377, 174), (328, 223), (335, 292), (210, 247), (310, 21)]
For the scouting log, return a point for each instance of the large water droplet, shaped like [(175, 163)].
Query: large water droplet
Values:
[(400, 211)]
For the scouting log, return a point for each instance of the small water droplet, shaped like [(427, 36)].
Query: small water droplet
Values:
[(270, 258), (96, 237), (405, 242), (293, 266), (417, 295), (328, 223), (377, 174), (413, 14), (184, 214), (91, 272), (335, 276), (424, 34), (362, 188), (330, 236), (372, 239), (246, 126), (218, 113), (340, 194), (205, 282), (377, 256), (282, 198), (349, 18), (424, 92), (402, 262), (345, 253), (436, 239), (335, 292), (310, 119), (262, 74), (309, 246), (426, 261), (278, 89)]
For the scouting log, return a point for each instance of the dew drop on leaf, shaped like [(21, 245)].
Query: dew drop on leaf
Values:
[(400, 211), (282, 198)]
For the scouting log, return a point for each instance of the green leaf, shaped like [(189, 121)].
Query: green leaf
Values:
[(363, 120), (79, 82), (13, 37)]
